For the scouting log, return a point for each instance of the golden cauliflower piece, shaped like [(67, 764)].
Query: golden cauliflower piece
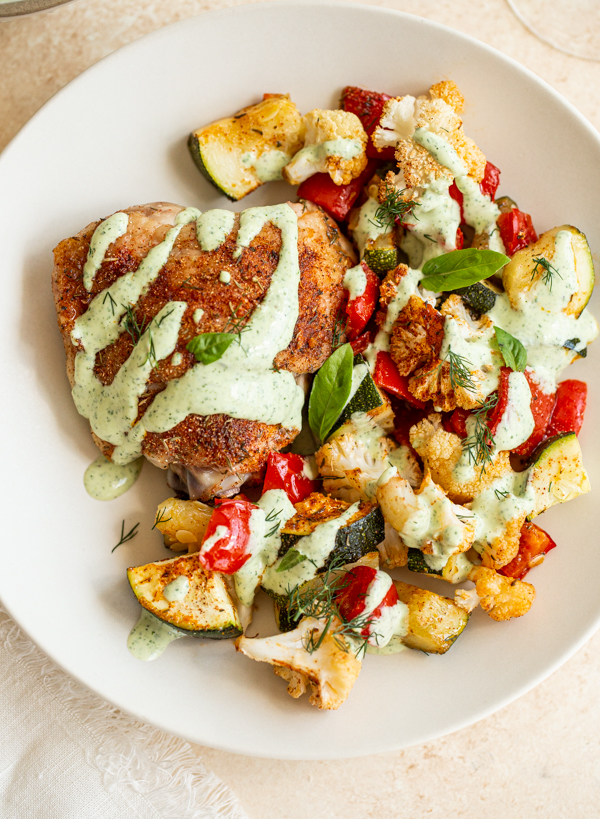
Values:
[(417, 336), (501, 597), (448, 91), (433, 383), (440, 451), (335, 143), (182, 523), (331, 670), (499, 551)]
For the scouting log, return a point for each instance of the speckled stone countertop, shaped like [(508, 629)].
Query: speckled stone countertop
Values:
[(539, 756)]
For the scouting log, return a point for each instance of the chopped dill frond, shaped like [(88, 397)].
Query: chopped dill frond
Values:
[(393, 207), (549, 271)]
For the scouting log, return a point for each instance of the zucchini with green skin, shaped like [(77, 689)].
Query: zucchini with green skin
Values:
[(434, 622), (180, 592), (479, 297), (455, 571), (367, 397), (239, 153), (557, 474), (381, 254)]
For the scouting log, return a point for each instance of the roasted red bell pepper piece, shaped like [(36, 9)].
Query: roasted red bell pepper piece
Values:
[(491, 180), (335, 199), (533, 545), (228, 553), (456, 423), (286, 471), (457, 195), (542, 405), (516, 230), (387, 377), (495, 416), (571, 398), (351, 597), (368, 107), (460, 239), (406, 417), (360, 309), (360, 344)]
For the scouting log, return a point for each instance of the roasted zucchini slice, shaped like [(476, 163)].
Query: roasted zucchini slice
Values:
[(181, 593), (557, 474), (455, 571), (523, 273), (239, 153), (381, 254), (366, 398), (479, 297), (434, 622)]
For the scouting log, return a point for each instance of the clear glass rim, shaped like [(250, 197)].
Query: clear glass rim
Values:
[(544, 37)]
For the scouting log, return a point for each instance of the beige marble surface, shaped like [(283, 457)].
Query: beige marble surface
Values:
[(540, 757)]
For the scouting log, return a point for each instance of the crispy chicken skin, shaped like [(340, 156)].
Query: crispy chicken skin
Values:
[(219, 442)]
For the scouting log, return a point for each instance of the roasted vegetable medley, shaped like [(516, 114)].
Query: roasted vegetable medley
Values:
[(434, 433)]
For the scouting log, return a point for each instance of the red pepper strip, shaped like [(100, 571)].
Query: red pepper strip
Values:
[(496, 414), (456, 423), (460, 239), (541, 405), (351, 598), (387, 377), (405, 417), (229, 553), (458, 197), (491, 180), (286, 471), (368, 107), (360, 309), (516, 230), (571, 398), (336, 199), (534, 544), (360, 344)]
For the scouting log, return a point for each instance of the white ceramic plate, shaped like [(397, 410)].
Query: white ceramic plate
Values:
[(115, 137)]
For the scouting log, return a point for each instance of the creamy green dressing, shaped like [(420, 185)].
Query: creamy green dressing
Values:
[(197, 315), (392, 620), (105, 481), (342, 147), (507, 499), (316, 547), (474, 345), (150, 636), (367, 227), (436, 220), (225, 276), (265, 541), (176, 359), (268, 165), (355, 282), (440, 149), (105, 234), (213, 227), (177, 589)]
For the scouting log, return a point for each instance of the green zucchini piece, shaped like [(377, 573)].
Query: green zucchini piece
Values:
[(557, 474), (381, 254), (522, 273), (505, 204), (479, 297), (434, 622), (239, 153), (455, 571), (203, 606), (366, 398)]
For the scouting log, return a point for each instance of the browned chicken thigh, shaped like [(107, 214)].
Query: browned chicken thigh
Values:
[(211, 454)]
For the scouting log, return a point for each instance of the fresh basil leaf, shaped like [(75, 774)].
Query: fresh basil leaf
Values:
[(572, 343), (330, 391), (513, 352), (209, 347), (290, 559), (460, 268)]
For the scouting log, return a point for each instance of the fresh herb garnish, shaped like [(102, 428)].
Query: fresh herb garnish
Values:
[(459, 372), (339, 329), (160, 517), (125, 537), (501, 494), (210, 347), (151, 356), (460, 268), (290, 559), (111, 301), (273, 516), (131, 325), (513, 352), (480, 444), (549, 271), (393, 208), (330, 391)]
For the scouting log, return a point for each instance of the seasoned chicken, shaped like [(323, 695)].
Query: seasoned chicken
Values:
[(221, 289)]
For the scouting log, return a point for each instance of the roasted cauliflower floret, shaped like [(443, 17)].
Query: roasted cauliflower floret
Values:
[(335, 143), (499, 551), (392, 551), (501, 597), (447, 90), (182, 523), (434, 382), (417, 336), (357, 454), (331, 670), (440, 451)]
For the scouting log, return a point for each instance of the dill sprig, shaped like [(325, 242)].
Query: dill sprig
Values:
[(234, 323), (160, 517), (273, 517), (460, 374), (111, 301), (480, 444), (393, 208), (549, 271), (151, 355), (125, 537), (131, 325), (339, 331), (501, 494)]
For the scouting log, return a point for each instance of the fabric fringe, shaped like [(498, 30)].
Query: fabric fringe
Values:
[(161, 768)]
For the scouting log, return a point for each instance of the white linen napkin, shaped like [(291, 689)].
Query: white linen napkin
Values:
[(67, 754)]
